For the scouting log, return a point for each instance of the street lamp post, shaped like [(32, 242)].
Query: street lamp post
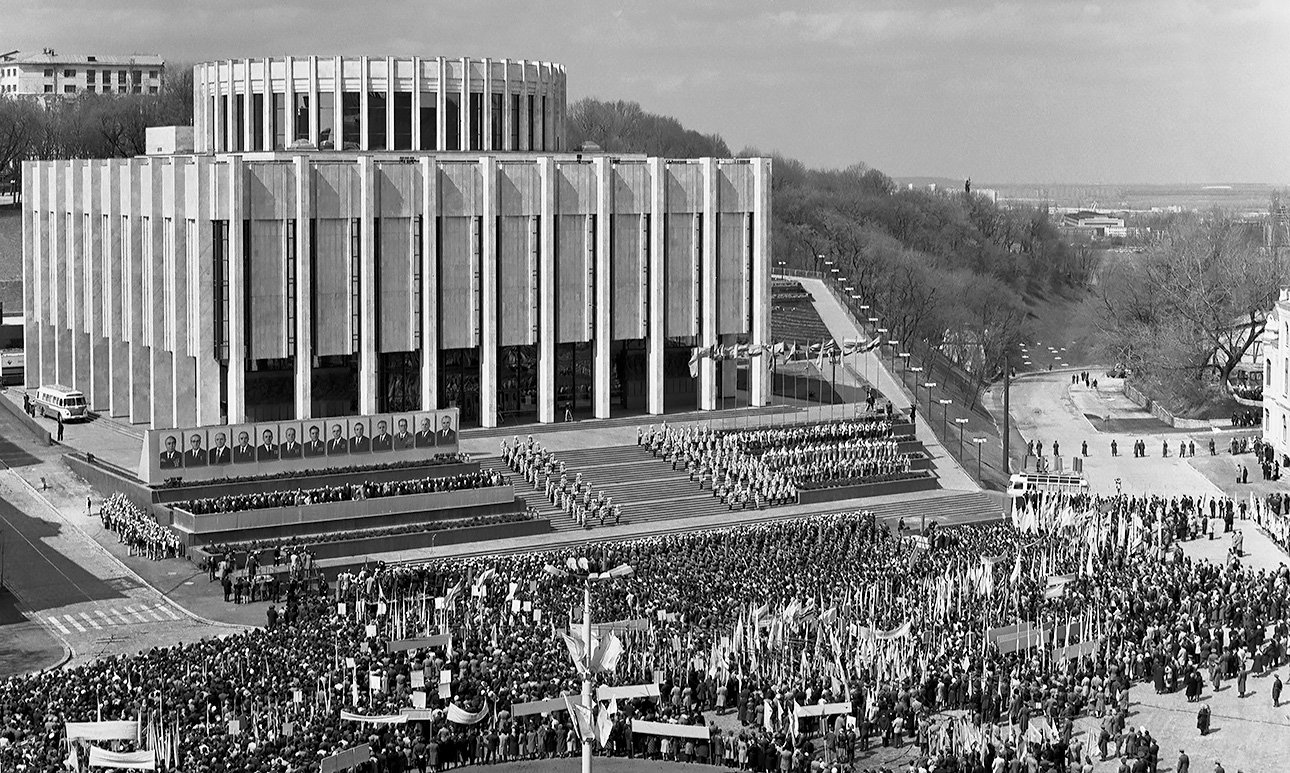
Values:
[(962, 422), (588, 572), (904, 364), (980, 444), (945, 413), (929, 386)]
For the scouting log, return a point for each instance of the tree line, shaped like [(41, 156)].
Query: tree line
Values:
[(89, 125), (941, 267)]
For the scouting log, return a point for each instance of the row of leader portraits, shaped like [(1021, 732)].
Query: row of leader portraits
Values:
[(340, 437)]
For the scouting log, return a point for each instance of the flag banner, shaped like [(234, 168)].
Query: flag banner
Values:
[(824, 709), (370, 630), (992, 560), (445, 691), (103, 731), (346, 760), (102, 758), (462, 717), (375, 719), (374, 682), (418, 699), (425, 643), (607, 653), (418, 678), (605, 693), (895, 633), (445, 676), (577, 650), (419, 715), (1061, 579), (670, 730), (581, 717), (549, 706)]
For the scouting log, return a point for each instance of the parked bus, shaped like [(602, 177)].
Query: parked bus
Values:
[(57, 401)]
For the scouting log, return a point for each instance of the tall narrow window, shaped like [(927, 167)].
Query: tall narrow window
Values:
[(147, 272), (417, 289), (476, 126), (279, 121), (350, 123), (376, 120), (429, 120), (220, 255), (290, 289), (495, 133), (167, 288), (300, 118), (452, 123), (326, 120), (542, 133), (403, 120), (515, 122), (529, 146), (355, 277), (257, 122)]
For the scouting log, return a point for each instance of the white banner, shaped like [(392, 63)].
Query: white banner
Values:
[(125, 730), (376, 719), (668, 729), (605, 693), (824, 709), (464, 717), (102, 758)]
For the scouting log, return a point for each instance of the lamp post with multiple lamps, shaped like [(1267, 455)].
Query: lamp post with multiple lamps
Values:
[(962, 422), (587, 572), (945, 413)]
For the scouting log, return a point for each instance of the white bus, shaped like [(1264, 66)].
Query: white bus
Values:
[(1026, 482), (58, 401)]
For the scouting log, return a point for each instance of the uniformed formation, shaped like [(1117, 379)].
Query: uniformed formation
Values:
[(139, 530), (546, 473), (770, 466)]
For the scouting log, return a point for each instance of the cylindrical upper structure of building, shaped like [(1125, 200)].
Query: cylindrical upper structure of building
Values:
[(378, 104)]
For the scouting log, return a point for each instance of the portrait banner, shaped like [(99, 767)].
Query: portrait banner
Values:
[(258, 449)]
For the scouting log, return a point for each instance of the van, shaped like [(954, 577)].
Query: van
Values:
[(56, 401)]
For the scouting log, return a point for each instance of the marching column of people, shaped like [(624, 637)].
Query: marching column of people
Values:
[(547, 474), (139, 530)]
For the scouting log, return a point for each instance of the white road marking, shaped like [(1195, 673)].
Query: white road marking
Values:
[(93, 623), (166, 610), (59, 625), (75, 624), (124, 620), (137, 614), (106, 620)]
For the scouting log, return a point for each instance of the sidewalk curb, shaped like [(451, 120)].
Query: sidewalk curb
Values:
[(135, 575)]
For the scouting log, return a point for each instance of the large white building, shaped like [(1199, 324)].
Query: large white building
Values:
[(1276, 377), (50, 74), (450, 254)]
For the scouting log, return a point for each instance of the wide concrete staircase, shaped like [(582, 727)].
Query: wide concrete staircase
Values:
[(650, 490)]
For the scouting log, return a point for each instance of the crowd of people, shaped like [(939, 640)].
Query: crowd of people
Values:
[(755, 620), (261, 500), (547, 474), (770, 465), (138, 530)]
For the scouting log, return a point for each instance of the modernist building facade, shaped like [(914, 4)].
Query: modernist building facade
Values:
[(372, 104), (221, 287)]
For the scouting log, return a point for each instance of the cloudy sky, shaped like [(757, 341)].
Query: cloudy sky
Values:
[(1025, 91)]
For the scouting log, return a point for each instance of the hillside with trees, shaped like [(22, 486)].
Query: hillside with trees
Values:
[(936, 264)]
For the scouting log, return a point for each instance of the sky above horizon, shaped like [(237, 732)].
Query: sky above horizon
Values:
[(1145, 91)]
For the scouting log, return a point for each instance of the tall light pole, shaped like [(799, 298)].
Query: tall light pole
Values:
[(980, 445), (962, 422), (929, 386), (945, 413), (588, 572), (904, 364)]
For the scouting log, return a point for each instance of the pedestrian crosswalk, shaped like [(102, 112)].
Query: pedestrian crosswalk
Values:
[(98, 619)]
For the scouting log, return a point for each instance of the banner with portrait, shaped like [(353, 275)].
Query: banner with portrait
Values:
[(254, 449)]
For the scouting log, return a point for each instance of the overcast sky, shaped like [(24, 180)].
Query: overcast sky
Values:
[(1027, 91)]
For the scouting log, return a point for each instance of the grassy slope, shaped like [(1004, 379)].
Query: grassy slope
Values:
[(10, 258)]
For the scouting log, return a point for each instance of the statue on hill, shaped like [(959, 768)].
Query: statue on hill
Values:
[(967, 186)]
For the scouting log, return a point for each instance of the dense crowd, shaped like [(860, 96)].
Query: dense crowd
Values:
[(137, 529), (753, 620), (546, 473), (770, 465), (261, 500)]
